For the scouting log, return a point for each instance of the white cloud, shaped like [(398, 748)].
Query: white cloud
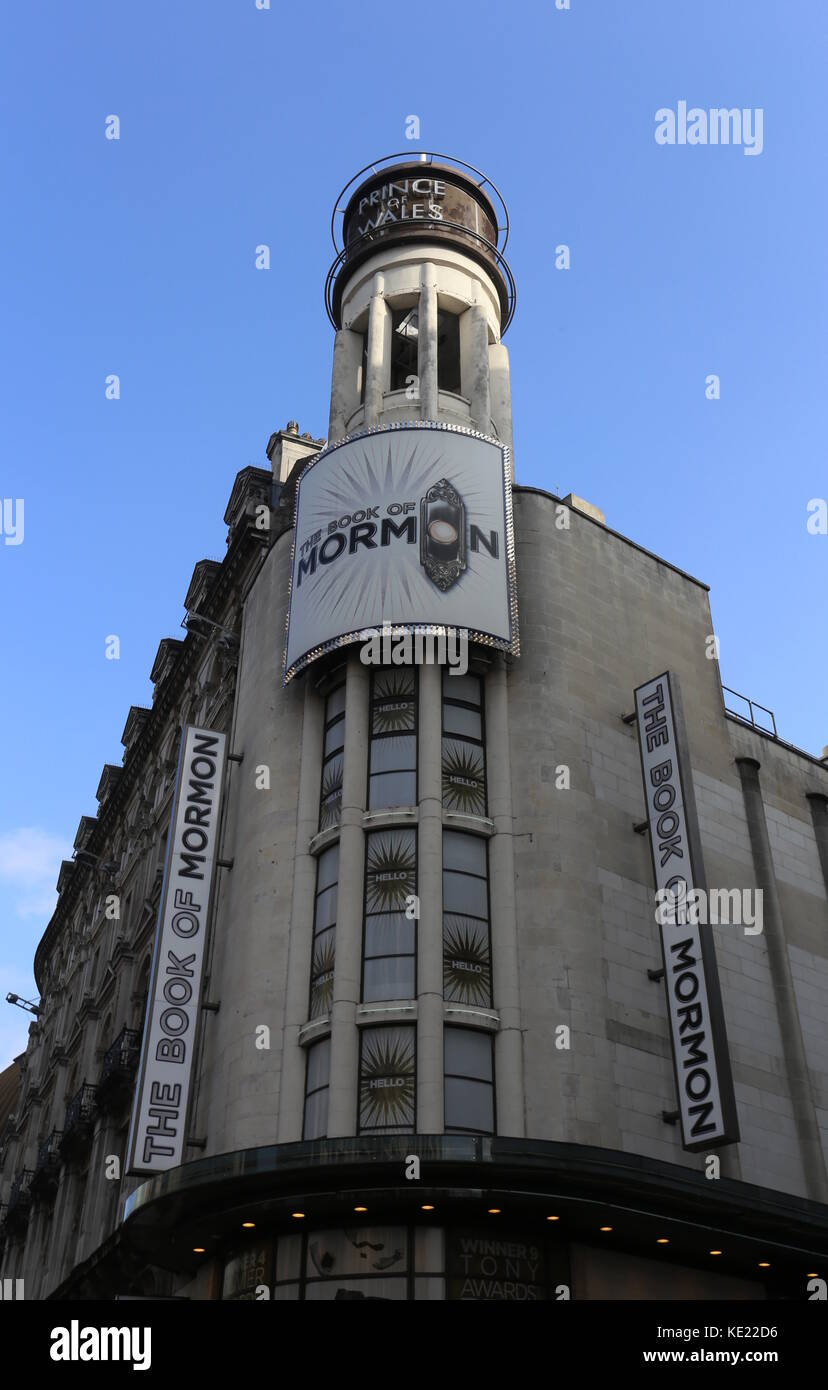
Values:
[(29, 863)]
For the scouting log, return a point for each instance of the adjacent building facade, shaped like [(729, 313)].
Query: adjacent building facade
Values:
[(433, 1056)]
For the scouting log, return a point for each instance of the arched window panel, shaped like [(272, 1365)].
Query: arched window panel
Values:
[(467, 961), (464, 745), (387, 1080), (389, 956), (323, 952), (330, 797), (392, 779), (469, 1082), (317, 1080)]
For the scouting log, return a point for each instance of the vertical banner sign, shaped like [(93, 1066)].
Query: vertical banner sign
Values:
[(697, 1028), (156, 1139)]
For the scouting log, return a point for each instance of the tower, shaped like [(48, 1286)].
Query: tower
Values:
[(420, 296)]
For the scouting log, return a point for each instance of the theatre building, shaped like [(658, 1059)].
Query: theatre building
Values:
[(358, 985)]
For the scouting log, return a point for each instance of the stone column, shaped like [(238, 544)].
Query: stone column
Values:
[(503, 910), (347, 360), (342, 1095), (378, 365), (292, 1089), (427, 343), (430, 1112), (501, 395), (476, 385), (796, 1060)]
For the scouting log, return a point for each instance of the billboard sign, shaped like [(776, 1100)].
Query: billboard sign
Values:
[(407, 526), (156, 1139), (701, 1061)]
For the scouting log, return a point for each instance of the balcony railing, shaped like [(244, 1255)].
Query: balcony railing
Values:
[(80, 1118), (46, 1174), (118, 1068), (20, 1201), (747, 712)]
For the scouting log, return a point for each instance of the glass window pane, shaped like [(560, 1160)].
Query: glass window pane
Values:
[(468, 1053), (466, 852), (466, 688), (334, 738), (326, 908), (469, 1105), (393, 682), (467, 970), (465, 895), (328, 868), (288, 1255), (316, 1115), (389, 977), (389, 934), (457, 720), (319, 1062), (392, 789), (393, 754), (390, 874), (357, 1250), (429, 1249), (392, 716), (386, 1079), (336, 703), (322, 973), (463, 777)]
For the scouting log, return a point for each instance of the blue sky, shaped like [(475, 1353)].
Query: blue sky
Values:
[(238, 127)]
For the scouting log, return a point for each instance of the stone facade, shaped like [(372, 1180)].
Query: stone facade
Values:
[(569, 882)]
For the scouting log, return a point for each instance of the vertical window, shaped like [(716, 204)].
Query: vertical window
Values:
[(389, 961), (330, 800), (448, 352), (317, 1079), (324, 932), (464, 746), (469, 1084), (467, 962), (404, 333), (392, 779), (387, 1080)]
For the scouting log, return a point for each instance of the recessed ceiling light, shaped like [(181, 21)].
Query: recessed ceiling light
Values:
[(662, 1240), (494, 1211), (360, 1208), (715, 1252), (198, 1249), (248, 1225), (606, 1228), (812, 1275), (298, 1215), (426, 1207), (553, 1218), (764, 1264)]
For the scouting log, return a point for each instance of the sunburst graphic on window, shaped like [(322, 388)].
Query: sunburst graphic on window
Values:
[(467, 971), (386, 1081), (322, 977), (390, 871), (330, 810), (396, 713), (464, 782)]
